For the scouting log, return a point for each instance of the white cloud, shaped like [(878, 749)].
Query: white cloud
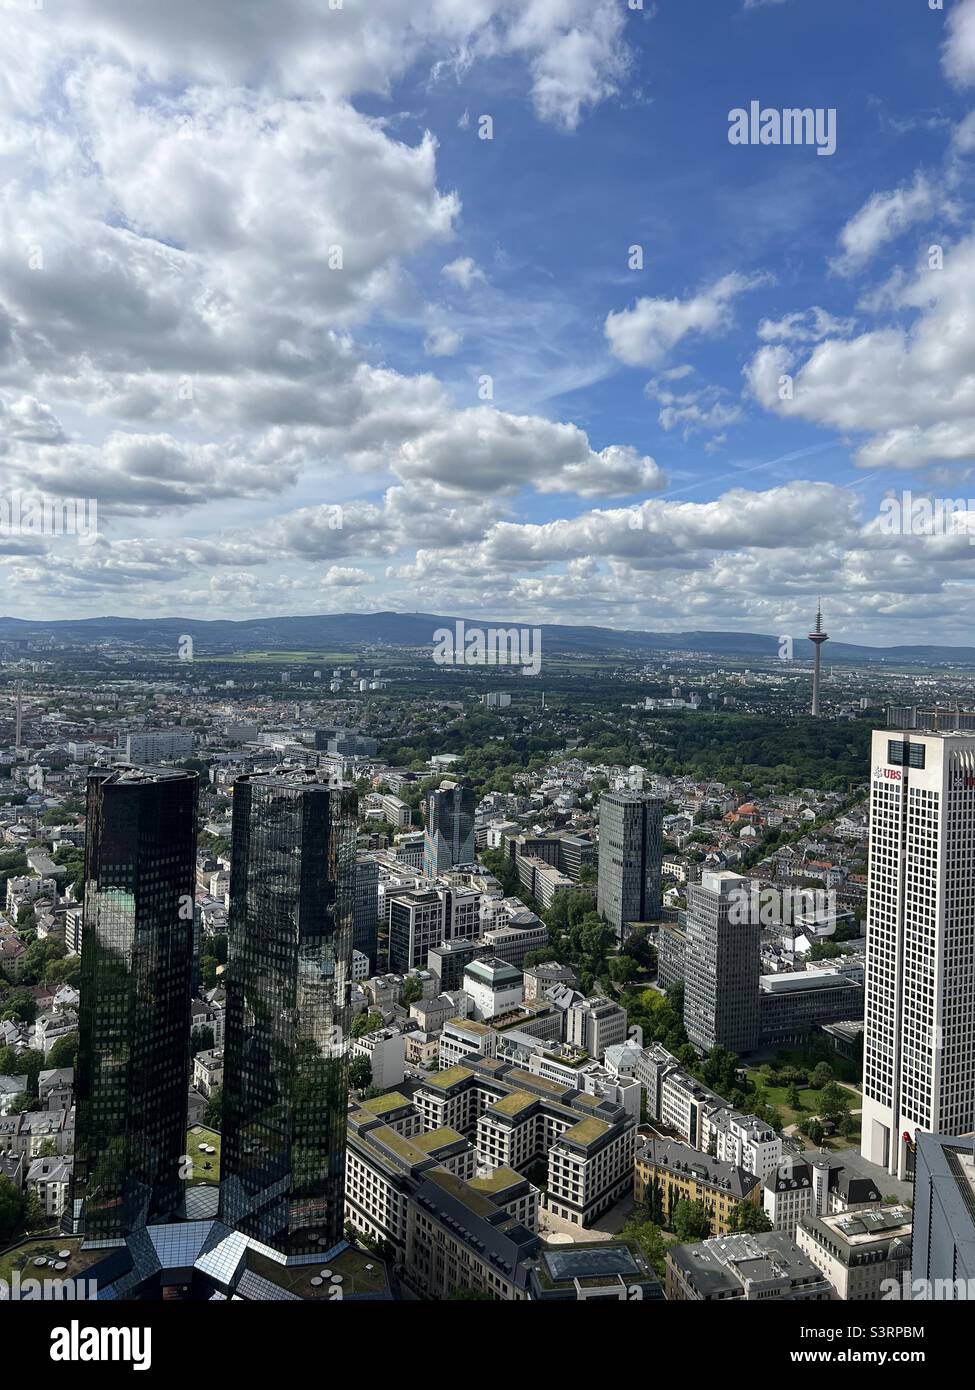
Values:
[(464, 272), (643, 335), (884, 217), (958, 53)]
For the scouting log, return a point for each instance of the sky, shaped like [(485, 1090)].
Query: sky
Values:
[(473, 307)]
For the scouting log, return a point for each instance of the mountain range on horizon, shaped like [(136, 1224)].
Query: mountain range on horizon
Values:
[(340, 631)]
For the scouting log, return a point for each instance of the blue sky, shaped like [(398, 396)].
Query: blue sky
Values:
[(184, 356)]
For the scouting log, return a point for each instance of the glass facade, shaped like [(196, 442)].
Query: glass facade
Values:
[(134, 1018), (292, 902)]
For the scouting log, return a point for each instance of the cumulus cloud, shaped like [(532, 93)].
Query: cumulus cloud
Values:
[(643, 335), (884, 217)]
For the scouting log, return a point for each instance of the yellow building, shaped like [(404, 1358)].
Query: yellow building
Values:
[(666, 1170)]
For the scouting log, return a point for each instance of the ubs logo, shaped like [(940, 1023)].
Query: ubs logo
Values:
[(891, 774)]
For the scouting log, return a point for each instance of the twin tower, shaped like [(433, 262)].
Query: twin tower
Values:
[(292, 895)]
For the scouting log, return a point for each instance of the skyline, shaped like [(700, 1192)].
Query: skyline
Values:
[(248, 307)]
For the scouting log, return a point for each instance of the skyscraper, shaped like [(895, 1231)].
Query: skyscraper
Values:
[(631, 847), (817, 637), (365, 934), (134, 1018), (721, 964), (919, 1037), (292, 901), (449, 835)]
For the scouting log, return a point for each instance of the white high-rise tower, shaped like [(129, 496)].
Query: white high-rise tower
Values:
[(919, 1038)]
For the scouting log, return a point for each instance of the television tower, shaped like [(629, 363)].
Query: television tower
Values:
[(817, 638), (18, 736)]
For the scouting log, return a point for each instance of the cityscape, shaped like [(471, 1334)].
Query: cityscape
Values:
[(487, 685)]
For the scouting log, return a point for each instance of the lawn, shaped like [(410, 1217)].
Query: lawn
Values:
[(196, 1136), (811, 1103), (22, 1258)]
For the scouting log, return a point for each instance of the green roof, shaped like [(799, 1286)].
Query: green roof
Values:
[(513, 1104), (463, 1191), (586, 1131), (444, 1079), (497, 1182), (379, 1105), (525, 1078), (401, 1146), (438, 1139)]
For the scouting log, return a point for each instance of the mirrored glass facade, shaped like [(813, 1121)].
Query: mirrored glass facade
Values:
[(292, 903), (134, 1018)]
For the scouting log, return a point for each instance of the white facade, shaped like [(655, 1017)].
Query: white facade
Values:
[(387, 1055), (919, 1038)]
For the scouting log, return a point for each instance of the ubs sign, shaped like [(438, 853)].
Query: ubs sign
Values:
[(889, 774)]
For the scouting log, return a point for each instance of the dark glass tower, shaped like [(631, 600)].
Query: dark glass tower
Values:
[(134, 1019), (292, 901), (449, 835)]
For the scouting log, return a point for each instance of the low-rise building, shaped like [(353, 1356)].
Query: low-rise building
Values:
[(861, 1252), (749, 1267), (666, 1172)]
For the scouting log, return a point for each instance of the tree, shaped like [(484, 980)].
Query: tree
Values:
[(360, 1073), (834, 1103), (650, 1239), (11, 1209), (20, 1005), (366, 1023), (35, 1217), (815, 1132), (412, 991), (64, 1052), (690, 1221), (622, 970), (31, 1062), (213, 1110), (793, 1098), (201, 1038), (821, 1075), (746, 1216)]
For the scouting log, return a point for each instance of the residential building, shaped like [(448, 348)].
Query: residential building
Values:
[(814, 1185), (666, 1172), (386, 1051), (158, 746)]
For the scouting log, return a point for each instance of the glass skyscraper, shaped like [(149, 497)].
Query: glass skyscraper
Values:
[(631, 846), (134, 1018), (449, 835), (292, 902)]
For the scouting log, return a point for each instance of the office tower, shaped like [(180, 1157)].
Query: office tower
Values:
[(919, 1035), (449, 835), (631, 847), (134, 1017), (365, 931), (817, 637), (721, 964), (944, 1218), (423, 917), (292, 902)]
